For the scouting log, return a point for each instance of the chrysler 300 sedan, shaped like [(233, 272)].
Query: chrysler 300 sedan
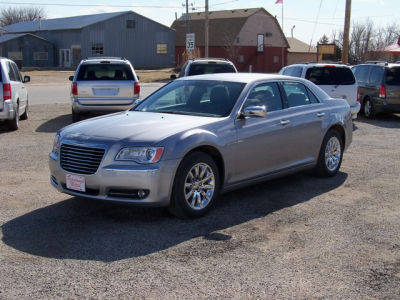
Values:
[(199, 136)]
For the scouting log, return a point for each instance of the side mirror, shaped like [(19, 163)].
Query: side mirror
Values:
[(27, 78), (138, 78), (71, 78), (173, 77), (255, 111)]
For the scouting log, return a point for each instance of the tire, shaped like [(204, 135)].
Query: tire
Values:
[(368, 109), (25, 115), (192, 198), (331, 154), (14, 123), (75, 116)]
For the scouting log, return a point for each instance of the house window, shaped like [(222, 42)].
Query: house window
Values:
[(241, 58), (14, 55), (97, 49), (40, 55), (276, 59), (162, 48), (130, 24)]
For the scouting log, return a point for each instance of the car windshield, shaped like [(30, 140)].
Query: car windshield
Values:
[(207, 98), (330, 75), (88, 72), (210, 68), (393, 76)]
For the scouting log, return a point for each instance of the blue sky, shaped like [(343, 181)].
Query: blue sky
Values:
[(299, 13)]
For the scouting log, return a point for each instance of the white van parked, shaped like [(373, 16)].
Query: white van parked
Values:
[(337, 80), (13, 94)]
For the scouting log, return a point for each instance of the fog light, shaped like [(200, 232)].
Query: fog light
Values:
[(141, 194)]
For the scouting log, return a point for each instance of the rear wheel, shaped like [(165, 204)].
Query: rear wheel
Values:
[(369, 111), (330, 155), (196, 186), (75, 116), (13, 124), (24, 116)]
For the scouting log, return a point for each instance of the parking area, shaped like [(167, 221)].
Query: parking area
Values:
[(295, 237)]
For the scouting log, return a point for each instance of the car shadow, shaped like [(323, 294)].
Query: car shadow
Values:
[(92, 230), (382, 120), (55, 124)]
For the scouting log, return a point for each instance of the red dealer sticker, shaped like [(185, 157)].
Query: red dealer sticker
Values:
[(76, 182)]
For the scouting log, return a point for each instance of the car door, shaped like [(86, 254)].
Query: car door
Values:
[(306, 115), (262, 142)]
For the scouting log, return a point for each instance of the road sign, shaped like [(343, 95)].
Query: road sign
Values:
[(190, 41)]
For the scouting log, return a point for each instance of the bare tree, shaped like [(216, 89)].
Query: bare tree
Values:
[(11, 15)]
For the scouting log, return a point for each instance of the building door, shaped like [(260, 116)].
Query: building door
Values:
[(65, 58), (76, 55)]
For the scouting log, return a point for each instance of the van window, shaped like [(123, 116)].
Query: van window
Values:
[(88, 72), (375, 75), (199, 69), (330, 75), (293, 71), (393, 76), (11, 73), (361, 73), (16, 72)]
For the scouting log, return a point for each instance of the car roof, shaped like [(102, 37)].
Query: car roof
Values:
[(96, 60), (380, 64), (319, 65), (215, 60), (241, 77)]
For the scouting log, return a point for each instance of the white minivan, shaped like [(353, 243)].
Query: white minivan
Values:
[(13, 94), (337, 80)]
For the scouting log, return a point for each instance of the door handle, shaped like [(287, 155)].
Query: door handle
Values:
[(320, 114), (285, 122)]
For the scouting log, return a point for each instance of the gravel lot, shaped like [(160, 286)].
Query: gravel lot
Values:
[(295, 237)]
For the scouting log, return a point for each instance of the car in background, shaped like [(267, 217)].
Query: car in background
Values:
[(201, 66), (228, 131), (379, 84), (336, 80), (14, 95), (103, 85)]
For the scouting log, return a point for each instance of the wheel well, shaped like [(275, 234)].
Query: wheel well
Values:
[(340, 129), (216, 156)]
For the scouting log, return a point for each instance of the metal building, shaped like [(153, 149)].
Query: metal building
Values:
[(143, 41)]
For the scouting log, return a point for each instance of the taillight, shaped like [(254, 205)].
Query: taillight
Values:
[(382, 91), (74, 88), (358, 94), (6, 91), (136, 88)]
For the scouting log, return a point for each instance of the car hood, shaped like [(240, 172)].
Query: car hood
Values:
[(134, 126)]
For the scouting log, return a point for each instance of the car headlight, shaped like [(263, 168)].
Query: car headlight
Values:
[(56, 144), (145, 155)]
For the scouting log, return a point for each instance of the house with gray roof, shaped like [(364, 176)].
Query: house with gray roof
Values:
[(300, 51), (143, 41), (251, 38)]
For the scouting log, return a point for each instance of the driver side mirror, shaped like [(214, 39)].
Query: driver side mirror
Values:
[(172, 77), (254, 111)]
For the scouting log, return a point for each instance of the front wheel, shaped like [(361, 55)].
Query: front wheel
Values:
[(196, 186), (331, 154)]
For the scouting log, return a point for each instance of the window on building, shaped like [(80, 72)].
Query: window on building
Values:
[(276, 59), (40, 55), (241, 58), (15, 55), (162, 48), (130, 23), (97, 49)]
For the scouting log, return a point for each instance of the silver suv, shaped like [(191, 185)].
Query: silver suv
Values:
[(200, 66), (14, 96), (102, 85), (337, 80)]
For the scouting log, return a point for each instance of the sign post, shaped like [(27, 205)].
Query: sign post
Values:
[(190, 43)]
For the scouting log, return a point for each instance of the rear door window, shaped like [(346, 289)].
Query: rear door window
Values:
[(16, 72), (89, 72), (393, 76), (11, 72), (375, 75), (330, 75), (210, 68)]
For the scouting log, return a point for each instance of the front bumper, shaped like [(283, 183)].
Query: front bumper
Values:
[(157, 179), (8, 111)]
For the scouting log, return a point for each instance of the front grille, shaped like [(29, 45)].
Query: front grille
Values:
[(79, 159)]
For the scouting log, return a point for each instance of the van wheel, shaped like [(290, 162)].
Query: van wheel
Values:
[(369, 111), (75, 116), (13, 124), (330, 155), (26, 113), (196, 186)]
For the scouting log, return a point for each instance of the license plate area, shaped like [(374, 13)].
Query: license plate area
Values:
[(76, 182)]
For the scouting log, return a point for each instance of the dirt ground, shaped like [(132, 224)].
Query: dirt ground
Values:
[(298, 237), (60, 77)]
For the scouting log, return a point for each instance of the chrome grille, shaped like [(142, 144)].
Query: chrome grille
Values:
[(79, 159)]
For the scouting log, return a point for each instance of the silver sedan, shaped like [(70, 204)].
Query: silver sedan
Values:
[(199, 136)]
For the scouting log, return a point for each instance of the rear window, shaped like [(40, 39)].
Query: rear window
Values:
[(199, 69), (330, 76), (89, 72), (393, 76), (293, 71)]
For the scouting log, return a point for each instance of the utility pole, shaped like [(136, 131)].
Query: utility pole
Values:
[(346, 33), (188, 24), (206, 32)]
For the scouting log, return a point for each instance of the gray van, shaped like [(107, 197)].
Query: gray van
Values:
[(379, 84), (13, 94)]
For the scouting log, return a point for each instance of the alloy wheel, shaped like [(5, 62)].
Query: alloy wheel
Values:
[(333, 153), (199, 186)]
